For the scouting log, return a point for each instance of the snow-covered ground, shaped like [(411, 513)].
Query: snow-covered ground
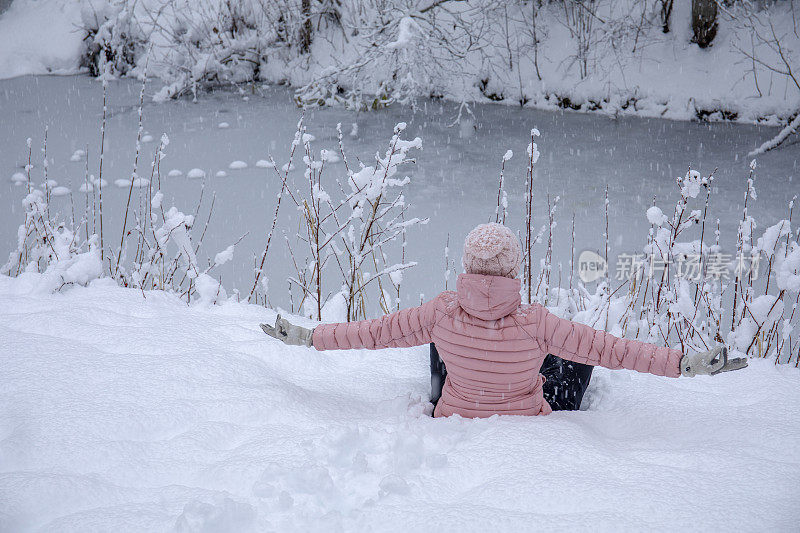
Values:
[(124, 413), (40, 37)]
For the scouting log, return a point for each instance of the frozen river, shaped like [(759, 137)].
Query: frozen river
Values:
[(454, 181)]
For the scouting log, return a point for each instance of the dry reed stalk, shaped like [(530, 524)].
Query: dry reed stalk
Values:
[(102, 153)]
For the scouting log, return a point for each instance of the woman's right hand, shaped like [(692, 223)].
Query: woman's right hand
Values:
[(710, 363)]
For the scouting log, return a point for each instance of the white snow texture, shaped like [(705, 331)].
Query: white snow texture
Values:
[(120, 413)]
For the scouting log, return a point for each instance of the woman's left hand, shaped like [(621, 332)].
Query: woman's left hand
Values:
[(289, 333)]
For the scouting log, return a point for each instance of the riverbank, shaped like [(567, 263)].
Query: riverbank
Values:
[(628, 66)]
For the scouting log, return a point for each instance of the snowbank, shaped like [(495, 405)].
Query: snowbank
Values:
[(123, 413), (627, 66), (40, 37)]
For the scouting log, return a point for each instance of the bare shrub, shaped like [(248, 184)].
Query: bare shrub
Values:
[(351, 226), (682, 290)]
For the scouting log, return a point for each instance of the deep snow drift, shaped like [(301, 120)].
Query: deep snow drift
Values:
[(124, 413)]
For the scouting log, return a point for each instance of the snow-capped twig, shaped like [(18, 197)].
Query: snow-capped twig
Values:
[(102, 153), (527, 277), (501, 211), (779, 139), (134, 174), (260, 268)]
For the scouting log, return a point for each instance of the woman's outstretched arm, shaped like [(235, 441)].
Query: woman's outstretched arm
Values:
[(404, 328), (584, 344)]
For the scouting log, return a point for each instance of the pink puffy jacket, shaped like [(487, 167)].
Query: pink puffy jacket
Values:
[(493, 347)]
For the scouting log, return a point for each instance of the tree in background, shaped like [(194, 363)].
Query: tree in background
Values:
[(307, 27), (666, 13), (704, 22)]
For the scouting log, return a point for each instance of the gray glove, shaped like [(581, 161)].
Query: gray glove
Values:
[(289, 333), (710, 363)]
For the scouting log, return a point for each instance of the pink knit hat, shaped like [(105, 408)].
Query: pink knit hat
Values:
[(492, 249)]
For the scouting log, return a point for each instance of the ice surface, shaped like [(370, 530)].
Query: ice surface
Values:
[(454, 179), (123, 413)]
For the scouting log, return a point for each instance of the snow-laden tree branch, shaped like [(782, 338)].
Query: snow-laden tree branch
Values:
[(779, 138)]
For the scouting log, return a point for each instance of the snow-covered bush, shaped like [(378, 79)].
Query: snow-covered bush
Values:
[(396, 52), (49, 245), (610, 56), (209, 42), (52, 248), (351, 227), (114, 40), (165, 255), (683, 290)]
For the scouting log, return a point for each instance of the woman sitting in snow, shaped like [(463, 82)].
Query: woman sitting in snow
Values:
[(501, 357)]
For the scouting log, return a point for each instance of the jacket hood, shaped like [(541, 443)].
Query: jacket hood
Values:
[(488, 297)]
